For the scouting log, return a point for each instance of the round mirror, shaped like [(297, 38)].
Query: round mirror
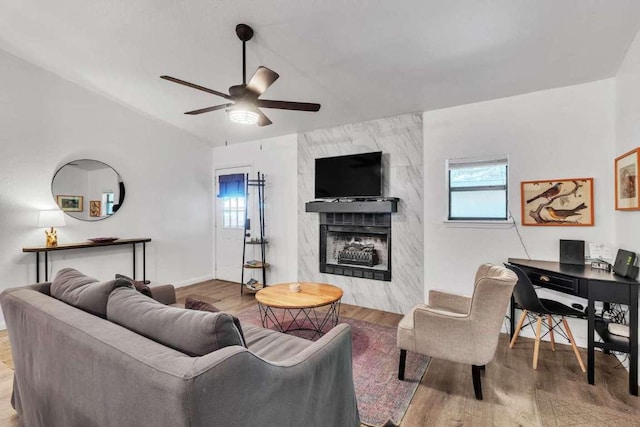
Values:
[(88, 190)]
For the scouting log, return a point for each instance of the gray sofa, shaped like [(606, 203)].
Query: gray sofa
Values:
[(73, 368)]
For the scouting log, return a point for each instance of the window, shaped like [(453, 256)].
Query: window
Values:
[(478, 189), (107, 204), (233, 212), (231, 190)]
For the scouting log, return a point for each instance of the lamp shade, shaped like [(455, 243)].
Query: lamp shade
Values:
[(244, 113), (54, 218)]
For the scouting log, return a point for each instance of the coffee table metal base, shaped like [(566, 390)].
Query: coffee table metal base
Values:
[(300, 319)]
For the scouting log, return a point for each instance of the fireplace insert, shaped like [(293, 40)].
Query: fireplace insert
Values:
[(349, 248)]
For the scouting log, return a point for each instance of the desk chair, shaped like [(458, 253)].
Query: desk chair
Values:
[(535, 309)]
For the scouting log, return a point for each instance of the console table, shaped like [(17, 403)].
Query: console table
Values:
[(87, 245), (594, 285)]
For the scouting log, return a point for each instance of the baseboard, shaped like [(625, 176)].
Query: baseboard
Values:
[(192, 281), (3, 325)]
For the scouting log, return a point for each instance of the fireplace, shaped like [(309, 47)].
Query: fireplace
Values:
[(356, 245)]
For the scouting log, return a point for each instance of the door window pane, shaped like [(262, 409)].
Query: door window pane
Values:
[(233, 212)]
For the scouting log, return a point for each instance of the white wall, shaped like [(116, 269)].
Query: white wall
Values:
[(628, 137), (277, 159), (45, 122), (552, 134), (627, 109)]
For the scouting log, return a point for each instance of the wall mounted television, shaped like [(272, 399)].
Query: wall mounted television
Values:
[(356, 175)]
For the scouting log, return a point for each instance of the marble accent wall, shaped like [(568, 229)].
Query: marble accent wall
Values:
[(400, 140)]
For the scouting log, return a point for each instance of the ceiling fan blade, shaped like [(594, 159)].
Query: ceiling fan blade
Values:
[(261, 80), (264, 120), (206, 110), (287, 105), (195, 86)]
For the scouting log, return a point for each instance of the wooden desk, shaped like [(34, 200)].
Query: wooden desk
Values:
[(594, 285), (88, 245)]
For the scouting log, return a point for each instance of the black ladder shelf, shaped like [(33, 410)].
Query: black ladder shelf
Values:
[(260, 264)]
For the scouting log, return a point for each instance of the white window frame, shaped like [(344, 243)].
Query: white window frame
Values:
[(234, 211), (452, 164)]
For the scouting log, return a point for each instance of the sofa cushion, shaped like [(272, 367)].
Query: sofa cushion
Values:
[(192, 332), (84, 292), (194, 304)]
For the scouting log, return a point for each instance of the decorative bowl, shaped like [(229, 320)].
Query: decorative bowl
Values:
[(103, 239), (294, 287)]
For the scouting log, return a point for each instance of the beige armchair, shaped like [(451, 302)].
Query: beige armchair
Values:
[(458, 328)]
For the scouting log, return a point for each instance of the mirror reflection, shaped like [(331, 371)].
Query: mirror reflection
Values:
[(88, 190)]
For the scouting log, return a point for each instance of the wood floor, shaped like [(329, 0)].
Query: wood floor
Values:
[(445, 394)]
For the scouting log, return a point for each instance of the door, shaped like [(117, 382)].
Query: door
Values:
[(229, 229)]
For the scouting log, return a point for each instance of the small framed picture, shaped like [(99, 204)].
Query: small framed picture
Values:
[(557, 202), (94, 208), (626, 167), (70, 203)]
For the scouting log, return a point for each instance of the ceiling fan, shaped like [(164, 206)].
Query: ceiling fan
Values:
[(244, 104)]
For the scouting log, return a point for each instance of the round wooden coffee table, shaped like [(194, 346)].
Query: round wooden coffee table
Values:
[(297, 310)]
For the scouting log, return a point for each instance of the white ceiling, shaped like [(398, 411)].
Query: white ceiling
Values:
[(360, 59)]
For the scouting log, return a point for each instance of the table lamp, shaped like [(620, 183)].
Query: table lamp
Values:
[(54, 218)]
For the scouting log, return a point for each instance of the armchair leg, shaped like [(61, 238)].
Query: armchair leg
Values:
[(477, 385), (403, 359)]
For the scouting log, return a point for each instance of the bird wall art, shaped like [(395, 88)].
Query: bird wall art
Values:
[(557, 202)]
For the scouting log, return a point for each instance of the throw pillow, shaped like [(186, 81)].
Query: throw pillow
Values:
[(140, 285), (194, 304), (84, 292), (192, 332)]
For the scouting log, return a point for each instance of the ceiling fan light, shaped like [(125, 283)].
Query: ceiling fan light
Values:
[(243, 113)]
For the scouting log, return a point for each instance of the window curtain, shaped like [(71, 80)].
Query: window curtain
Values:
[(231, 185)]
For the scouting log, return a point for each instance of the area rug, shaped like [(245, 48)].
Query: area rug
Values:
[(555, 411), (381, 396)]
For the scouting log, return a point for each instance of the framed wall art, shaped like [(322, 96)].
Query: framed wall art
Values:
[(626, 179), (94, 208), (70, 203), (557, 202)]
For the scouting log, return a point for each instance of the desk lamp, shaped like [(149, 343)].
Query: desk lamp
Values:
[(54, 218)]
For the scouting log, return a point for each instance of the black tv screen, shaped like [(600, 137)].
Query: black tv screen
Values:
[(356, 175)]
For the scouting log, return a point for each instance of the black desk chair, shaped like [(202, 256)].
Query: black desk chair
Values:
[(536, 308)]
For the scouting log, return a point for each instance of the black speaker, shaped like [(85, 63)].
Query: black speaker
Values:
[(624, 265), (572, 252)]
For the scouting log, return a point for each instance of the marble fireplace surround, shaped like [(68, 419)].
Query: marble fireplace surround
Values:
[(401, 142)]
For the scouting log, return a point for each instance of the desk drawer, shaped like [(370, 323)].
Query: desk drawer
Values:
[(552, 281)]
